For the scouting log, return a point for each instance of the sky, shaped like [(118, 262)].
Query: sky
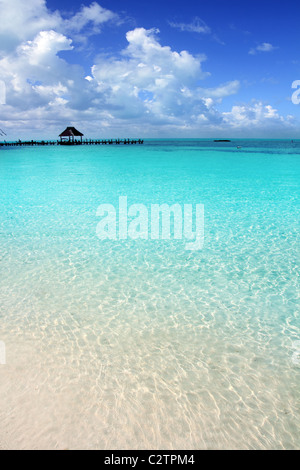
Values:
[(156, 69)]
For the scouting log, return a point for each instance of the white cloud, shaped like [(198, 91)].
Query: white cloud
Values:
[(253, 115), (44, 47), (264, 47), (93, 15), (23, 19), (56, 90), (220, 92), (149, 79), (196, 26), (146, 89)]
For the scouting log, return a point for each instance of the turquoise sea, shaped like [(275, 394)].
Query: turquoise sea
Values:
[(142, 344)]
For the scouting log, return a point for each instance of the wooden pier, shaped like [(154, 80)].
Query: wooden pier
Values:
[(70, 136), (35, 143)]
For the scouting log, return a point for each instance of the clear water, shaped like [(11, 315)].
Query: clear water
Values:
[(142, 344)]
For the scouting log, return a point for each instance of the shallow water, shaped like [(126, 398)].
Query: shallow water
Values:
[(120, 344)]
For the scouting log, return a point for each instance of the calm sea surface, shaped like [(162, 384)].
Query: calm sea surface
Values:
[(116, 344)]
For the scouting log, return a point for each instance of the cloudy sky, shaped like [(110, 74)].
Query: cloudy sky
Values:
[(118, 68)]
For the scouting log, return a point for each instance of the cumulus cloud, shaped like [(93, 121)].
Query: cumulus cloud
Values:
[(37, 81), (35, 77), (21, 20), (157, 84), (264, 47), (44, 47), (253, 116), (148, 88)]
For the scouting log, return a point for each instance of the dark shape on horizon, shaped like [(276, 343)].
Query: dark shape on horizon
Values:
[(70, 132), (222, 140)]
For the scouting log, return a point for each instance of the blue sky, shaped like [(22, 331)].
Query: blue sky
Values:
[(149, 69)]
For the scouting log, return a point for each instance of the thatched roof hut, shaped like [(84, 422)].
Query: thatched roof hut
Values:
[(70, 132)]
